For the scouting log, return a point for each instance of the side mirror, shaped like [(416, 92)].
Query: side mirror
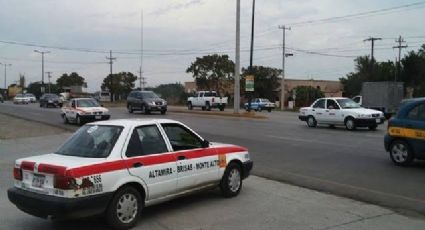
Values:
[(205, 144)]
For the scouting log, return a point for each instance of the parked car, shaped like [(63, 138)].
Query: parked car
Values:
[(145, 101), (405, 138), (340, 111), (116, 168), (259, 104), (31, 97), (82, 110), (21, 99), (50, 99), (207, 100)]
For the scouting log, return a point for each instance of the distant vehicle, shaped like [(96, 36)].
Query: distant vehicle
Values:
[(145, 101), (82, 110), (117, 168), (50, 99), (384, 96), (259, 104), (207, 100), (405, 138), (21, 99), (340, 111), (31, 97), (102, 96)]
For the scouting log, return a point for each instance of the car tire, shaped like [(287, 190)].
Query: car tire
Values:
[(41, 105), (203, 108), (78, 121), (269, 110), (311, 121), (163, 112), (65, 119), (231, 182), (125, 208), (146, 111), (221, 108), (400, 153), (208, 106), (130, 108), (373, 127), (349, 124), (189, 106)]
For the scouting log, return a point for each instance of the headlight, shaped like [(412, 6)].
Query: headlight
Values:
[(164, 102), (50, 101), (152, 103)]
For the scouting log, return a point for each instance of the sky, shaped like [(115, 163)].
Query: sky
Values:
[(175, 32)]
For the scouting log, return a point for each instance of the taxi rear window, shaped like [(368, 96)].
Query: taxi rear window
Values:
[(91, 141)]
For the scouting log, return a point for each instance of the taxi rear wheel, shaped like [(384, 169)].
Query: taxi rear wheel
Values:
[(231, 183), (124, 210), (400, 153), (311, 122)]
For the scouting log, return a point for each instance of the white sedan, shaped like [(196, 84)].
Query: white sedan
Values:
[(340, 111), (116, 168), (82, 110)]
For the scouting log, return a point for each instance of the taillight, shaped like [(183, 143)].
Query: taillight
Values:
[(17, 173), (65, 182)]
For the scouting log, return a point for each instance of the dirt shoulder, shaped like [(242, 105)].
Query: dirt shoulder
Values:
[(12, 127)]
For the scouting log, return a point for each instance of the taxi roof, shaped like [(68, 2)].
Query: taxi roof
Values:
[(134, 121)]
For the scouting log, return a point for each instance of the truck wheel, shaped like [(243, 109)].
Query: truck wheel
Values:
[(231, 183), (349, 124), (130, 108), (208, 106), (124, 210), (189, 106), (311, 122), (400, 153), (221, 108)]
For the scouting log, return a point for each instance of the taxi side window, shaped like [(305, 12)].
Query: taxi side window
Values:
[(319, 104), (331, 104), (417, 113), (181, 138), (146, 140)]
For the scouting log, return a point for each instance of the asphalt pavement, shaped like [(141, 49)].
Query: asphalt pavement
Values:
[(262, 204), (350, 164)]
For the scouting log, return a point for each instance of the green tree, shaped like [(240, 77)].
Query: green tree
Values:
[(305, 95), (211, 72), (72, 79), (266, 81), (413, 71), (173, 93), (35, 88), (119, 84)]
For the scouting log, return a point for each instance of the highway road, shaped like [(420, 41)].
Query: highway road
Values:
[(351, 164)]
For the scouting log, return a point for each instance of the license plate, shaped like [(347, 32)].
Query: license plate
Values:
[(97, 117), (378, 120), (38, 180)]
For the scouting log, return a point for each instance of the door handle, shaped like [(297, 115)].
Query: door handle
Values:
[(180, 158), (137, 165)]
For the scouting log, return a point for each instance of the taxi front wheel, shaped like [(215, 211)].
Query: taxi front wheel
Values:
[(124, 210), (400, 153), (231, 183)]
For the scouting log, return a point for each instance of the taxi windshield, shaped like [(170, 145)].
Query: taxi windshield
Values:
[(92, 141), (87, 103), (348, 104)]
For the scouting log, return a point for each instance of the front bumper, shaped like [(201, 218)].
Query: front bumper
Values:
[(302, 117), (157, 107), (86, 118), (365, 122), (246, 168), (43, 206)]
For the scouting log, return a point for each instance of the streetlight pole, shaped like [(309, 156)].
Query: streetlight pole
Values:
[(42, 67), (236, 100), (5, 76)]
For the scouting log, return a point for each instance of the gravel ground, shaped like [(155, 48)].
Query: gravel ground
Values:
[(11, 127)]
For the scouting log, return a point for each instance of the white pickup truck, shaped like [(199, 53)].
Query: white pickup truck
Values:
[(207, 100)]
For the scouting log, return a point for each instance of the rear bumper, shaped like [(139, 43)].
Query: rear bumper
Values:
[(302, 117), (246, 168), (365, 122), (41, 205)]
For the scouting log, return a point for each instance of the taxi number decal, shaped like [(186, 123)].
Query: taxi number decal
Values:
[(404, 132)]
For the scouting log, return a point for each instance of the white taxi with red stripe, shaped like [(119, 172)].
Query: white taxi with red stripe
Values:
[(82, 110), (118, 167)]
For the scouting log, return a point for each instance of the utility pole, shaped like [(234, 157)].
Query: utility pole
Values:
[(142, 79), (111, 61), (372, 41), (284, 55), (49, 76), (42, 67), (5, 75), (251, 52), (400, 46), (236, 99)]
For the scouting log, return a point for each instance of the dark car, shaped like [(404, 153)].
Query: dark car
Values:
[(145, 101), (50, 99), (405, 139)]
